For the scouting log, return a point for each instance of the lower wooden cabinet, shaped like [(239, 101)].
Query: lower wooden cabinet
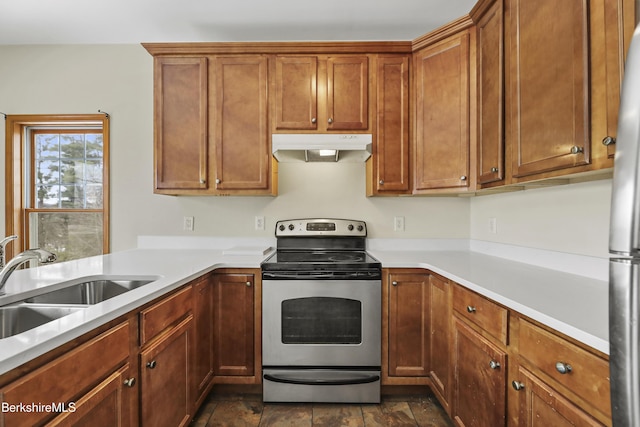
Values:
[(203, 342), (440, 373), (480, 379)]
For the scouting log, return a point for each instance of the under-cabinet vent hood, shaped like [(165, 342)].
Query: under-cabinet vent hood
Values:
[(321, 147)]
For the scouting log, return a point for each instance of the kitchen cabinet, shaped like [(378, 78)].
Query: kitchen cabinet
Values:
[(442, 96), (440, 372), (490, 38), (180, 123), (405, 327), (558, 382), (388, 170), (236, 335), (78, 380), (166, 361), (203, 337), (480, 360), (321, 93)]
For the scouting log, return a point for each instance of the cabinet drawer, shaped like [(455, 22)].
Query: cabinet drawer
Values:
[(60, 380), (488, 315), (158, 317), (588, 375)]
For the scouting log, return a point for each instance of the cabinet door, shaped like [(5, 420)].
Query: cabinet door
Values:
[(166, 397), (491, 95), (408, 325), (203, 343), (180, 123), (108, 405), (440, 321), (442, 122), (549, 89), (296, 92), (542, 406), (239, 123), (480, 379), (348, 93), (391, 151), (233, 302)]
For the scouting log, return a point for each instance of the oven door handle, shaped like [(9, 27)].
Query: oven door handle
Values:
[(322, 381)]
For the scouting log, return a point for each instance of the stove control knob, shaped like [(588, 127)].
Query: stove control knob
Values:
[(360, 228), (350, 227), (291, 227), (281, 227)]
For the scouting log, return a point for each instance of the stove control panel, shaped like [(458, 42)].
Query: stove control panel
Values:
[(321, 227)]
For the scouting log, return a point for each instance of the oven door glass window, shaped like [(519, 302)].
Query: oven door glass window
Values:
[(321, 320)]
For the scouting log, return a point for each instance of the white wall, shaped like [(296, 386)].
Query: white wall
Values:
[(118, 79)]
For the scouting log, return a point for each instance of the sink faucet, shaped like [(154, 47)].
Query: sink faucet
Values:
[(3, 243), (42, 256)]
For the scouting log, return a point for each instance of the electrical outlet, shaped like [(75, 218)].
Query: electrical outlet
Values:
[(187, 224), (493, 226), (398, 223), (259, 223)]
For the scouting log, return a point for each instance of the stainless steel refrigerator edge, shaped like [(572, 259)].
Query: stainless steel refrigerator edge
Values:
[(624, 239)]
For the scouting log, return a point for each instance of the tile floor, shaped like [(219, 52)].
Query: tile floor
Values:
[(250, 411)]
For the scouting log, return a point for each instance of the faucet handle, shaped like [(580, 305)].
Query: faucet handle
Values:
[(44, 256)]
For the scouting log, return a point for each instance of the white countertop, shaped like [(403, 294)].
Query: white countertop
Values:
[(573, 304)]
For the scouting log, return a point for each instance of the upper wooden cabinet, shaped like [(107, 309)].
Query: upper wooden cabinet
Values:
[(442, 96), (388, 170), (321, 93)]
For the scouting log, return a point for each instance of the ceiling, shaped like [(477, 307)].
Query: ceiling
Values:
[(136, 21)]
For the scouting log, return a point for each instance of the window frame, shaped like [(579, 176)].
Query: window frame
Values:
[(17, 143)]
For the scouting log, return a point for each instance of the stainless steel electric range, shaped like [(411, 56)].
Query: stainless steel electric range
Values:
[(321, 314)]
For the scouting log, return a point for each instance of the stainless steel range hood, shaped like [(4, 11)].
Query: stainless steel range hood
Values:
[(321, 147)]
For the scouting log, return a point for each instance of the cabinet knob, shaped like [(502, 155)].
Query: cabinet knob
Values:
[(381, 182), (494, 169), (463, 178), (608, 140), (248, 284), (394, 283), (130, 382), (517, 385), (576, 150), (218, 181), (202, 181), (314, 120), (330, 120), (152, 364), (563, 368), (471, 309), (493, 364)]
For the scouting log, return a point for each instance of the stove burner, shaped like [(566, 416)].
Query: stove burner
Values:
[(346, 257)]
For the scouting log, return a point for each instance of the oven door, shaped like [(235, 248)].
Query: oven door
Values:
[(321, 323)]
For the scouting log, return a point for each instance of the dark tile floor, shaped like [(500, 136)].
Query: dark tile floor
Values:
[(250, 411)]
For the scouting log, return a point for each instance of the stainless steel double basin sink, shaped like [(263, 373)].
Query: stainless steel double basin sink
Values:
[(37, 310)]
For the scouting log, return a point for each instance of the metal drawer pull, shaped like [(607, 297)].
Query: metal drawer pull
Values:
[(313, 120), (608, 140), (248, 284), (494, 170), (130, 382), (471, 309), (494, 365), (517, 385), (563, 368), (576, 150), (152, 364), (330, 120), (394, 283)]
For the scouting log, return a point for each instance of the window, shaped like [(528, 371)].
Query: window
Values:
[(60, 196)]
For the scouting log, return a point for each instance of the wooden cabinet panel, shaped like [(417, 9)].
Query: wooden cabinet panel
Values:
[(442, 115), (583, 373), (542, 406), (165, 313), (408, 324), (348, 93), (491, 95), (549, 89), (180, 123), (166, 397), (489, 316), (440, 345), (296, 92), (203, 343), (480, 379), (233, 309), (391, 150), (239, 126), (61, 380)]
